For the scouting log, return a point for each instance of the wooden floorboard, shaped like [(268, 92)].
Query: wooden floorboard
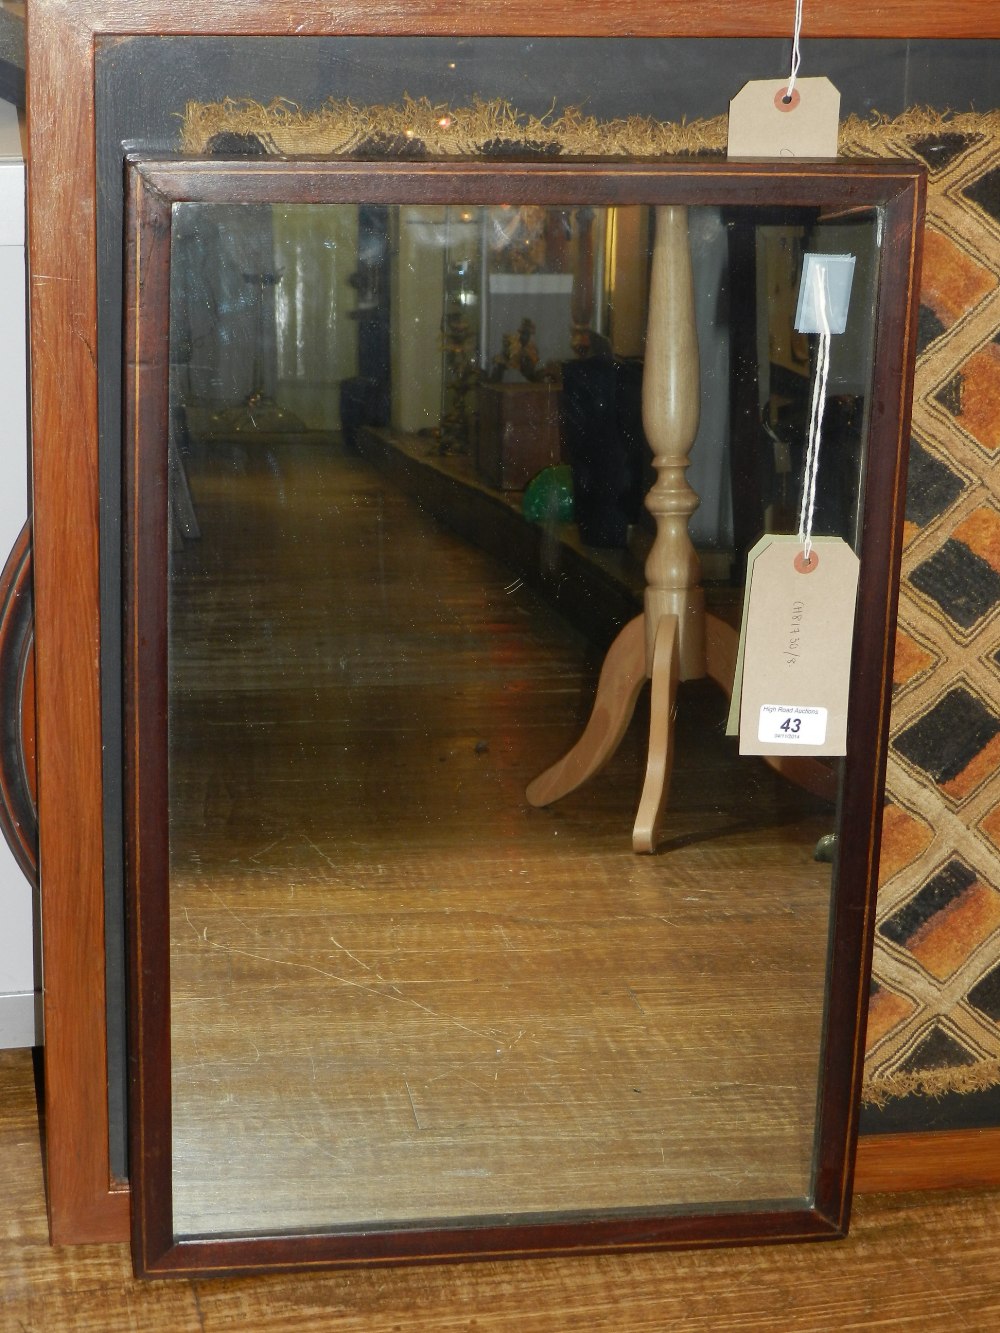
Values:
[(922, 1262)]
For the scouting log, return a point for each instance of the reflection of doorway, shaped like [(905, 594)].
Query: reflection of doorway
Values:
[(266, 314)]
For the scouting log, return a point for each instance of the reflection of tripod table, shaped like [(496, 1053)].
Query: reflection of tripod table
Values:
[(258, 413), (674, 639)]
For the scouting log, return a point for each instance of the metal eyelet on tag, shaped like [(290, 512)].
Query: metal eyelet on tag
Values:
[(785, 100)]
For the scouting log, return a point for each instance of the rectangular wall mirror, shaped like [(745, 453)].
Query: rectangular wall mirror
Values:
[(406, 981)]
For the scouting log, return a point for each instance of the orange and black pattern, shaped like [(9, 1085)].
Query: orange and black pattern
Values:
[(934, 1020)]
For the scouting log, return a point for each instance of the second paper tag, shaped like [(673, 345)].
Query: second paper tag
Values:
[(799, 631)]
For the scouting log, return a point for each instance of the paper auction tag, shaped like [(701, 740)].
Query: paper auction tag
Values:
[(762, 123), (799, 633), (733, 723)]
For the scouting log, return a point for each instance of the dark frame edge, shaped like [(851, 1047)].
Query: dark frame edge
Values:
[(241, 1256), (144, 535)]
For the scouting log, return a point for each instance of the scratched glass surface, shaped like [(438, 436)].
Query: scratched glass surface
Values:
[(408, 466)]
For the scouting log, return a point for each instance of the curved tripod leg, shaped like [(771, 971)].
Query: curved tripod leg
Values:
[(622, 677), (660, 759)]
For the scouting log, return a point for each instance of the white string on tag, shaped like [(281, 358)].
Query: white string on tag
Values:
[(796, 54), (817, 409)]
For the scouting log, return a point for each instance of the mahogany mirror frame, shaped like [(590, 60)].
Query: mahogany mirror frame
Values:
[(896, 191), (85, 1202)]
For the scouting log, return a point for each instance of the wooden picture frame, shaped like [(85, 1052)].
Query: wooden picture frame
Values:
[(896, 191), (86, 1203)]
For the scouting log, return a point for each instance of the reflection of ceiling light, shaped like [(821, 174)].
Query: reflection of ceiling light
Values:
[(410, 133), (465, 216), (451, 64), (445, 122)]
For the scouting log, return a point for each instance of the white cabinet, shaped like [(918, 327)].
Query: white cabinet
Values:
[(20, 1001)]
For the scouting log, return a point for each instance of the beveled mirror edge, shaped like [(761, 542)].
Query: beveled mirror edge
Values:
[(154, 185), (881, 551)]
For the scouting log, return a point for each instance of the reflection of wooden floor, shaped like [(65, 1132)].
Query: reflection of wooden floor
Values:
[(398, 991)]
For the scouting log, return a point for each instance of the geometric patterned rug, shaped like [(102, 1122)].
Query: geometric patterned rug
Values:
[(934, 1019)]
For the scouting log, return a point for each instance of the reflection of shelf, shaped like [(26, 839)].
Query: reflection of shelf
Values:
[(597, 590)]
